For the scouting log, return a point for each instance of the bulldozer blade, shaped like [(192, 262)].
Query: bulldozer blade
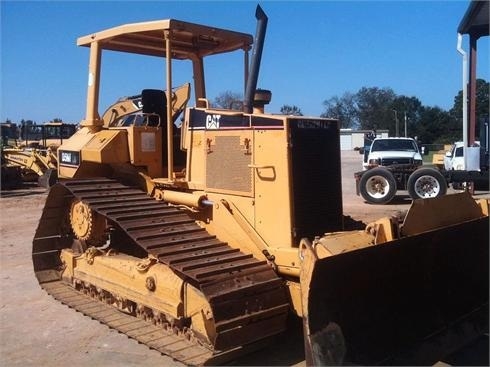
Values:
[(48, 178), (410, 301)]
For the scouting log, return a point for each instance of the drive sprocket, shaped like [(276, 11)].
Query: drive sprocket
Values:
[(87, 225)]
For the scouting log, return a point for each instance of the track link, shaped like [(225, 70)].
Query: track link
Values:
[(248, 300)]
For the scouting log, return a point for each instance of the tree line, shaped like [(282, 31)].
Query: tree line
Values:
[(24, 122), (373, 108), (381, 108)]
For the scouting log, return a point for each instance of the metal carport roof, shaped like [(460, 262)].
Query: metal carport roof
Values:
[(475, 20)]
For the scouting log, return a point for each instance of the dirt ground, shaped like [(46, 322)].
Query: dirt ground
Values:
[(36, 330)]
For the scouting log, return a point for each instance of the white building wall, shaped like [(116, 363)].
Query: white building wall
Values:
[(346, 142), (351, 139)]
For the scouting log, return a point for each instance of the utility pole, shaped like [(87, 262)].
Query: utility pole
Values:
[(405, 123), (397, 134)]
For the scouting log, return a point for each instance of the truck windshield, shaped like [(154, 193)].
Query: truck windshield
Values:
[(389, 144)]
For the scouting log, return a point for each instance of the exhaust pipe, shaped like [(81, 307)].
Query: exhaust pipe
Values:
[(253, 74)]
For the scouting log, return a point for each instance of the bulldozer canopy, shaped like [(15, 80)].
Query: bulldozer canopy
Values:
[(188, 40)]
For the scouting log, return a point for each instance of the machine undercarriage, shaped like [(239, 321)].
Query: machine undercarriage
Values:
[(149, 250)]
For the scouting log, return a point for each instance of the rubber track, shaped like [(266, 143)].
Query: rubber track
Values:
[(248, 300)]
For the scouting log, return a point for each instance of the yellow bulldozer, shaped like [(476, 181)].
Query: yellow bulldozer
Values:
[(200, 237)]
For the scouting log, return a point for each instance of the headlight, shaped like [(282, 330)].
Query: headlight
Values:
[(418, 162), (69, 157), (374, 162)]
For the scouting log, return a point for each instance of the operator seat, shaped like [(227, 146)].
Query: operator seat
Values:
[(155, 101)]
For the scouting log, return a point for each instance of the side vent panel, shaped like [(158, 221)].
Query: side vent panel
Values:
[(228, 159)]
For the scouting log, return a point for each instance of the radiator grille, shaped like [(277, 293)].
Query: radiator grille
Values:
[(390, 161), (316, 171)]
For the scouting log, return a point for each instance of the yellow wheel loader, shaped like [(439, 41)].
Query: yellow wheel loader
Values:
[(47, 135), (32, 155), (32, 163), (200, 240)]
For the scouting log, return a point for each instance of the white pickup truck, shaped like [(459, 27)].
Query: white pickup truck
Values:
[(396, 164), (389, 151)]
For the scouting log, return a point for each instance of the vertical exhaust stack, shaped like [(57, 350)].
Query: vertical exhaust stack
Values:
[(255, 62)]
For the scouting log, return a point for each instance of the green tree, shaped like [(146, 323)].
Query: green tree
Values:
[(378, 108), (291, 110), (343, 109), (229, 100), (482, 104), (370, 108), (482, 100), (437, 126), (374, 107), (410, 108)]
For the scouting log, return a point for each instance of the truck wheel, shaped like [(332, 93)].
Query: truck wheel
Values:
[(377, 186), (426, 183)]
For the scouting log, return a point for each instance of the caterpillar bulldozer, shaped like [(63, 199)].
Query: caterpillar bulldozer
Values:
[(200, 238)]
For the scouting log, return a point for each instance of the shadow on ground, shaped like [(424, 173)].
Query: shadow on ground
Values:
[(287, 348), (26, 189)]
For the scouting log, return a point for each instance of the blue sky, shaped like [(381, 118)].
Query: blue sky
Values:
[(313, 51)]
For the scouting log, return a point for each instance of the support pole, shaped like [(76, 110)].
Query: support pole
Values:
[(170, 124), (92, 118), (405, 123), (465, 93), (472, 92)]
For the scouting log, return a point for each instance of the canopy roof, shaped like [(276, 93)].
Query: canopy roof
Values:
[(475, 20), (187, 39)]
